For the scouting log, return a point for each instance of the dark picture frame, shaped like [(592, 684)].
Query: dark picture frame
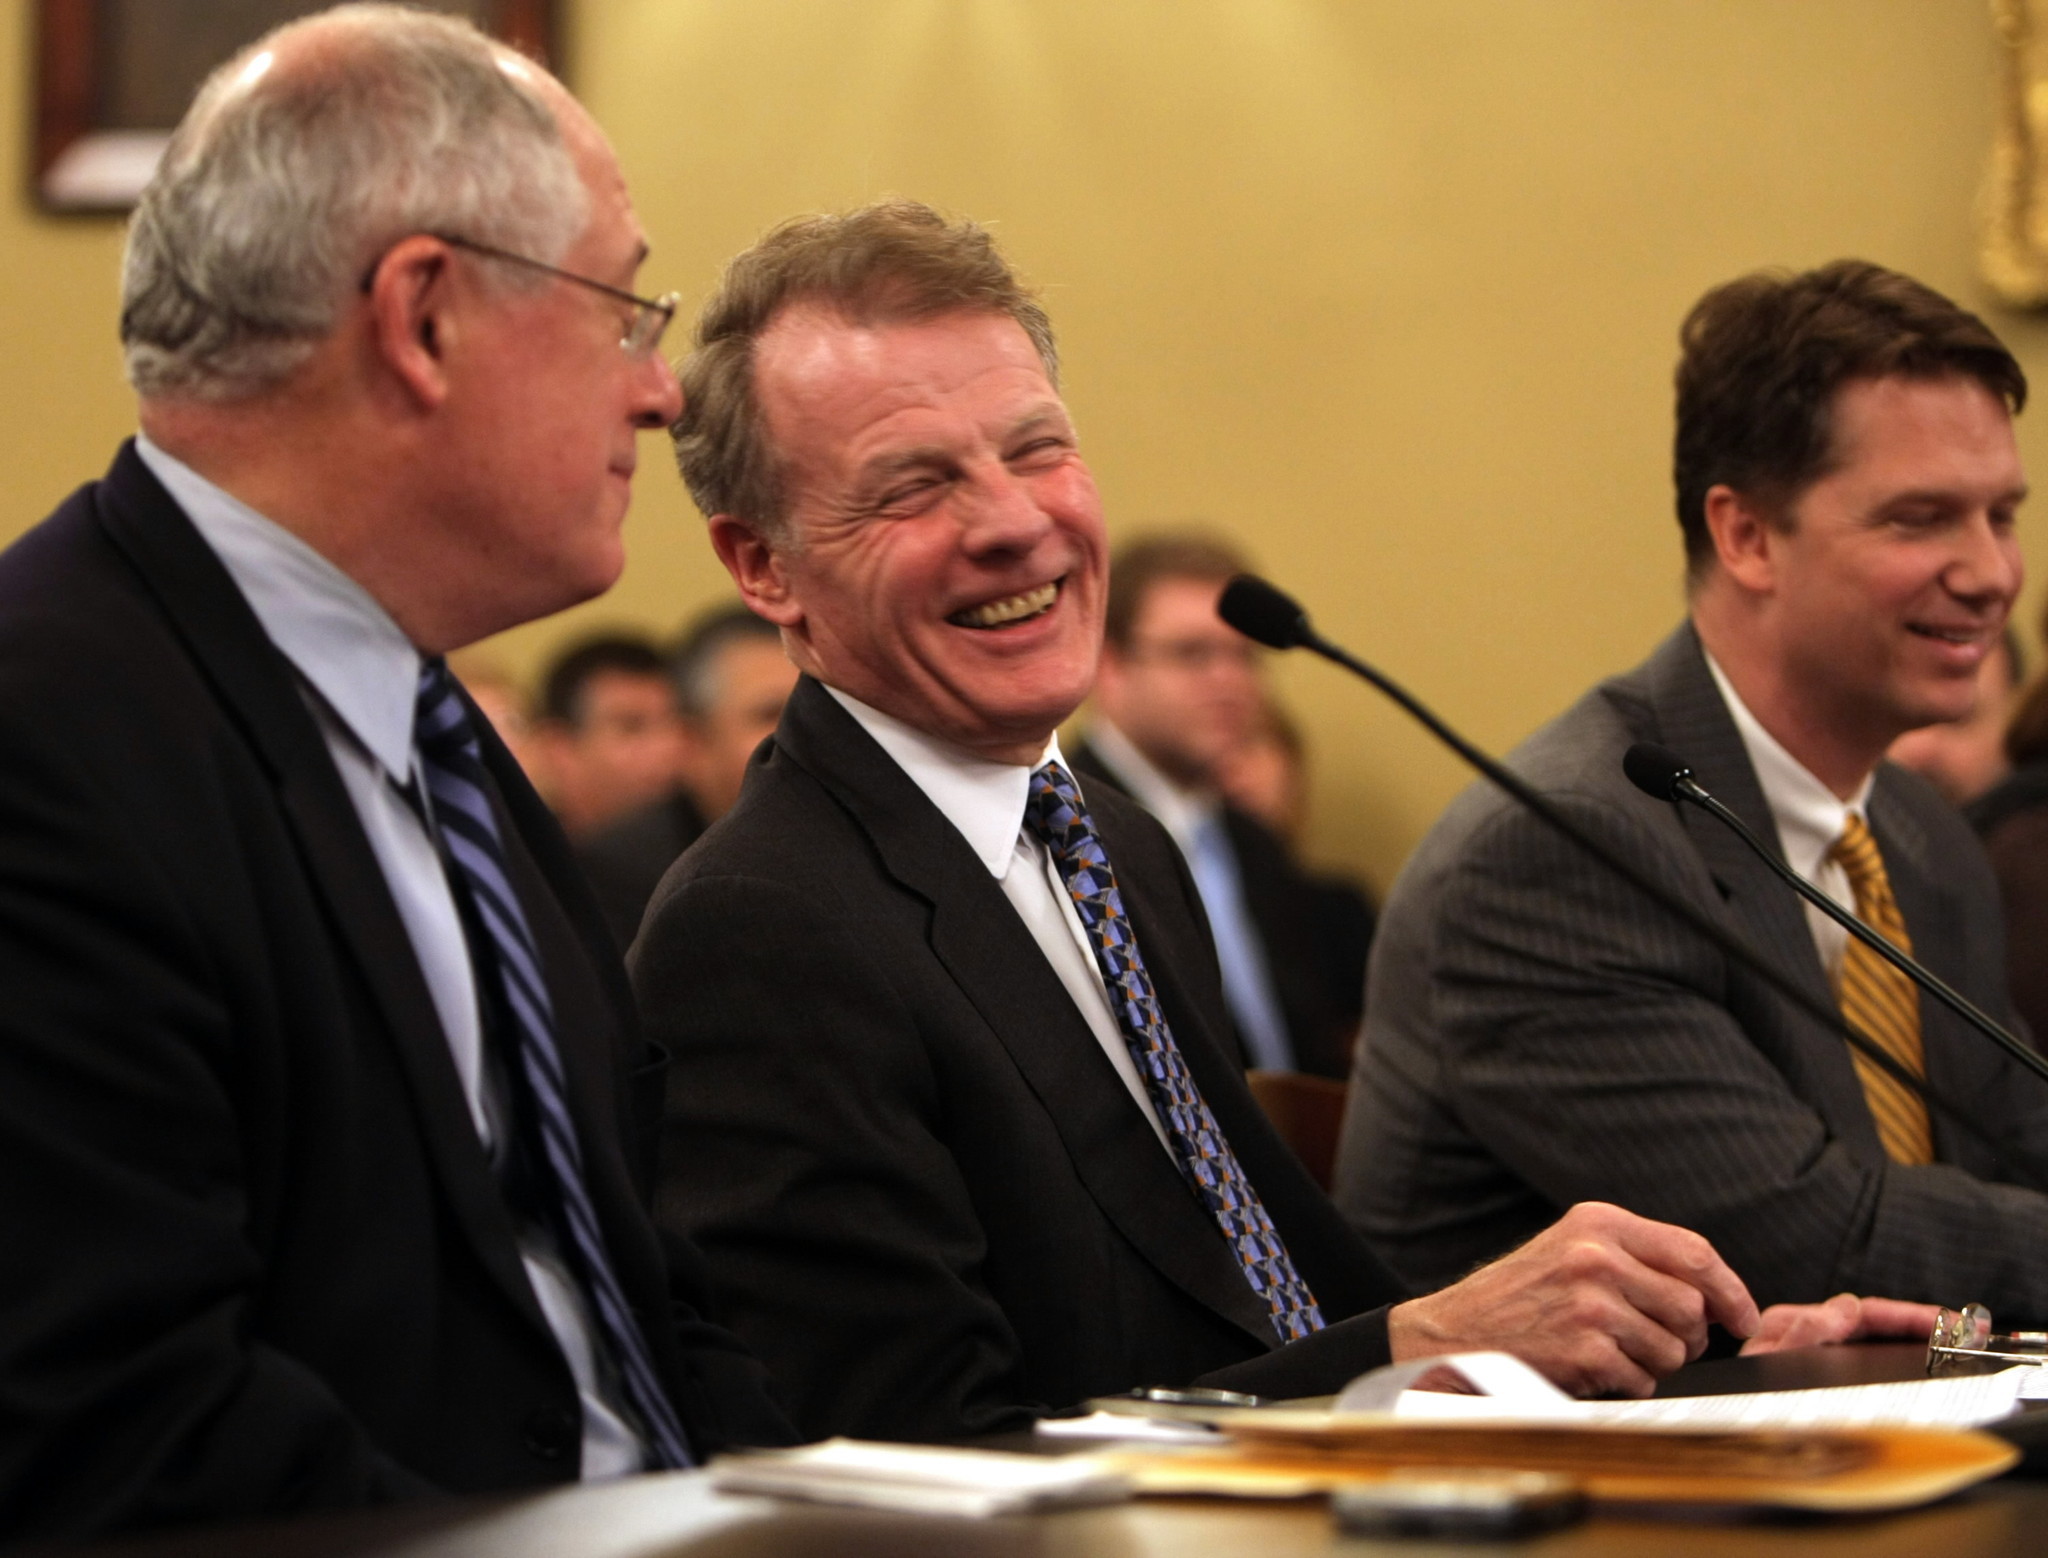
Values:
[(113, 78)]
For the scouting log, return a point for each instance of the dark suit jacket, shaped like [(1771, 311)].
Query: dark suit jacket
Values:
[(1537, 1034), (930, 1204), (1316, 932), (256, 1259)]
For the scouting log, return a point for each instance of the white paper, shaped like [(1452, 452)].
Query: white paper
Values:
[(919, 1479), (1966, 1402), (1125, 1425)]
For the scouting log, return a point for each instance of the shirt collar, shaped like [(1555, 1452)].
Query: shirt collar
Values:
[(331, 629), (1181, 811), (985, 801), (1809, 816)]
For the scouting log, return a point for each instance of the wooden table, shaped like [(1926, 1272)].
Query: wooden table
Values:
[(678, 1514)]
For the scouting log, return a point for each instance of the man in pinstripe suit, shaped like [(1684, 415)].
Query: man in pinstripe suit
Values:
[(1539, 1034)]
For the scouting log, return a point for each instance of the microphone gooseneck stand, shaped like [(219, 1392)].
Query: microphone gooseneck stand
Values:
[(1268, 616), (1665, 776)]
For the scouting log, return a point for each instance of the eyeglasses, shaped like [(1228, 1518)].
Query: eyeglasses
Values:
[(651, 316)]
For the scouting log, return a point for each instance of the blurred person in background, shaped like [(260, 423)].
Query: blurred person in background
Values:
[(1266, 777), (2012, 820), (1965, 758), (609, 737), (730, 679), (1178, 692)]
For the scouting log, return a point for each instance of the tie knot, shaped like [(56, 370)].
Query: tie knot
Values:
[(440, 721), (1053, 811), (1856, 851)]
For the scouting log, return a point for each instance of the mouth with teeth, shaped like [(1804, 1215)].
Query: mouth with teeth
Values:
[(1958, 636), (1009, 610)]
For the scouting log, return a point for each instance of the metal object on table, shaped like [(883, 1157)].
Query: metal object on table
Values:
[(1964, 1336)]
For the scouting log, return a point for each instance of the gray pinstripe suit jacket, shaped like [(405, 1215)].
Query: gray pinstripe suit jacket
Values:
[(1538, 1033)]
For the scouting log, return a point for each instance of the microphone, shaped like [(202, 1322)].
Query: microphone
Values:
[(1664, 775), (1270, 616)]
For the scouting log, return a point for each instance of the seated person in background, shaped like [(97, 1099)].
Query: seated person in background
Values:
[(956, 1108), (1964, 758), (310, 1201), (1537, 1032), (1266, 777), (731, 679), (2012, 820), (608, 738), (1176, 693)]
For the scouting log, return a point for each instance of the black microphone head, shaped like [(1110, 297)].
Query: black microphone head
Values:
[(1263, 614), (1656, 771)]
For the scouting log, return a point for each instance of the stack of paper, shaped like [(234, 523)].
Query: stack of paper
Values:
[(1513, 1392), (920, 1480)]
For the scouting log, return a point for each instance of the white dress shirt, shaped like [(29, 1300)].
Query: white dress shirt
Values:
[(985, 803), (1809, 817), (360, 675)]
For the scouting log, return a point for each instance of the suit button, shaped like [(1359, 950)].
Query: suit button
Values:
[(553, 1433)]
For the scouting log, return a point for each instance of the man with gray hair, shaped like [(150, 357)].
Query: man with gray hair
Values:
[(321, 1098)]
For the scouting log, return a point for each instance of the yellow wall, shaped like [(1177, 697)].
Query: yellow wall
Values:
[(1388, 290)]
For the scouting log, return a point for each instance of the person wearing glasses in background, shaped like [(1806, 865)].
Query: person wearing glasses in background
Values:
[(1177, 693), (320, 1088)]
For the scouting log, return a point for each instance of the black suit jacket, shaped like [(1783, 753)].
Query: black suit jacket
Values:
[(256, 1259), (930, 1203), (1538, 1033), (1316, 933)]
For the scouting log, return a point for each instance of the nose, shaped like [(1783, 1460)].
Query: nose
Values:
[(1001, 514), (1987, 570), (657, 397)]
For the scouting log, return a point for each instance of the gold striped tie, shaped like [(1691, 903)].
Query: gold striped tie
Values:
[(1881, 1002)]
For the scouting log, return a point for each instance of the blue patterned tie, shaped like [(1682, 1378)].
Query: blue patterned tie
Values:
[(1056, 816), (469, 841)]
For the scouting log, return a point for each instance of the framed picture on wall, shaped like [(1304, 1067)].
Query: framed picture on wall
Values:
[(113, 78)]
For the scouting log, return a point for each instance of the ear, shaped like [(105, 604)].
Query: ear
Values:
[(411, 306), (1745, 537), (757, 569)]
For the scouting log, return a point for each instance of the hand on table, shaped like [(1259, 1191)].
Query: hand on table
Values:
[(1602, 1302), (1843, 1318)]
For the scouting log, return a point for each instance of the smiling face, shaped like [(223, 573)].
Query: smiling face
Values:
[(941, 556), (1892, 584)]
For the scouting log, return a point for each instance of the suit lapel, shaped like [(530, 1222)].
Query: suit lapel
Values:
[(1768, 915), (977, 936), (258, 690)]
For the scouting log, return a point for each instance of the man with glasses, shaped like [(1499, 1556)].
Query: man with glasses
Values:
[(320, 1092), (1176, 694)]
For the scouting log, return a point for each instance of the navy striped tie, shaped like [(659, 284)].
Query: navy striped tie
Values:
[(468, 832)]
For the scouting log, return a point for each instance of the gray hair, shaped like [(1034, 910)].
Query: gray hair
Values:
[(288, 178)]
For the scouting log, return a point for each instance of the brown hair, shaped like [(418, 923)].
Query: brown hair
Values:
[(891, 261), (1763, 357), (1140, 564)]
